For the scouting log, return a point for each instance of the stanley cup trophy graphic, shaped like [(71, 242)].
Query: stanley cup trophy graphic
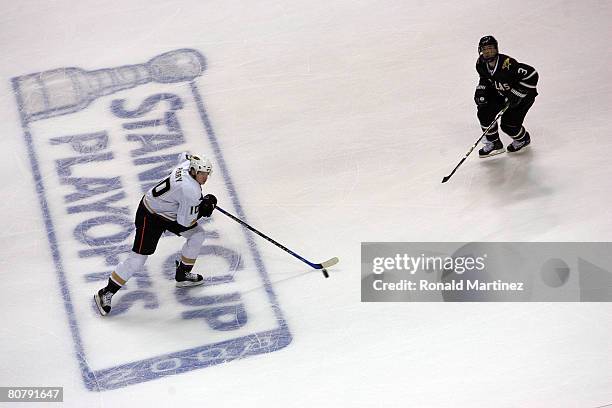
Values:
[(67, 90)]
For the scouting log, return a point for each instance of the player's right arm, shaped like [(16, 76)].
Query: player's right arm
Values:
[(480, 96)]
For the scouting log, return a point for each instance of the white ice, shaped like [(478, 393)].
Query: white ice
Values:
[(338, 120)]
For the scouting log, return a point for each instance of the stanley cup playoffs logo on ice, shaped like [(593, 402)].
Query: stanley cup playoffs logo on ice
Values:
[(97, 140)]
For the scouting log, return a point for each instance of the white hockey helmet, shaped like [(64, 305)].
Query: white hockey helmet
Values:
[(198, 162)]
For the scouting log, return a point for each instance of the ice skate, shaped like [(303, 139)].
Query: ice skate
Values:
[(184, 278), (491, 148), (519, 144), (103, 301)]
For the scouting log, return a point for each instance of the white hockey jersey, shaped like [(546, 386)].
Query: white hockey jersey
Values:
[(177, 197)]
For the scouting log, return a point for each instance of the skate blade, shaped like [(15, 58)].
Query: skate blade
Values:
[(188, 284), (99, 305), (494, 153)]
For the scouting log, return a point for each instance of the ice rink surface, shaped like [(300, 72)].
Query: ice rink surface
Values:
[(329, 123)]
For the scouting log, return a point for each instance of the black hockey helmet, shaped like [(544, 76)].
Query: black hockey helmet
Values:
[(487, 40)]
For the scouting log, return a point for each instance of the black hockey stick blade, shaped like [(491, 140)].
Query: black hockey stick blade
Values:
[(446, 178)]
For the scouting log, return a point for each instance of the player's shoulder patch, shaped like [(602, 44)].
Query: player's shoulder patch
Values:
[(507, 63)]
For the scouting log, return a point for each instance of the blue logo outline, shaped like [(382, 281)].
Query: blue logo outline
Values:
[(157, 367)]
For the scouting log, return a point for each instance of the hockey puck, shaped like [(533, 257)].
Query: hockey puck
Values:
[(325, 272)]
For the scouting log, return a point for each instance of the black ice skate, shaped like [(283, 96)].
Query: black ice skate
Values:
[(184, 278), (519, 144), (103, 301), (491, 148)]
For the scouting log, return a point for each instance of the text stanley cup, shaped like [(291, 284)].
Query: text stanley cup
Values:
[(67, 90)]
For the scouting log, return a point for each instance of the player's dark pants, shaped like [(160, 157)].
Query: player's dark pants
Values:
[(512, 119), (149, 229)]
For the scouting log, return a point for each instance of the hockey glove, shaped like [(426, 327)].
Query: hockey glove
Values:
[(480, 97), (207, 205), (515, 97)]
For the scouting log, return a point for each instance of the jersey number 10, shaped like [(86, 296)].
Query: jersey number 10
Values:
[(162, 188)]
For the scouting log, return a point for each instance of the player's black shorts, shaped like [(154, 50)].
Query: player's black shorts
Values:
[(149, 229), (512, 117)]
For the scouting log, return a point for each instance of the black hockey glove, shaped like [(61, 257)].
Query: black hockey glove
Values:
[(480, 97), (207, 205), (515, 97)]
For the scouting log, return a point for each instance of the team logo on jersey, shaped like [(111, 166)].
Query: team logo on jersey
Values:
[(108, 135), (506, 64), (501, 86)]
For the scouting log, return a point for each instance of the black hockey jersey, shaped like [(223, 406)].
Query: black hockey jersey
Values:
[(508, 74)]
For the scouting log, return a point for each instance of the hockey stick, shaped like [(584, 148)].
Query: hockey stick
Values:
[(501, 112), (323, 265)]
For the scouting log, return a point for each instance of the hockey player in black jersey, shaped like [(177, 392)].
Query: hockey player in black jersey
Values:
[(503, 80)]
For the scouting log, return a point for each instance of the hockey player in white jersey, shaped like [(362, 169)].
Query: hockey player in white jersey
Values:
[(175, 205)]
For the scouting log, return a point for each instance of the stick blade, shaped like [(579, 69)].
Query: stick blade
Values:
[(330, 262), (445, 179)]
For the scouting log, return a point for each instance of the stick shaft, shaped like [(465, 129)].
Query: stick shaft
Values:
[(267, 238), (501, 112)]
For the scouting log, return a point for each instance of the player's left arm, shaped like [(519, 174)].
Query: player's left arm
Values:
[(526, 77), (208, 203), (187, 213), (524, 81)]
